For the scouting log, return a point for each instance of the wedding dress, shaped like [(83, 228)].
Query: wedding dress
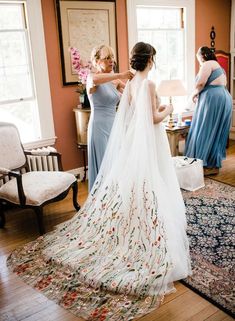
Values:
[(119, 255)]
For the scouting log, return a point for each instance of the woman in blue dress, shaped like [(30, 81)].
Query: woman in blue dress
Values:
[(211, 121), (104, 90)]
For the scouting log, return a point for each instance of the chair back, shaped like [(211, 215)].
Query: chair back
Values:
[(11, 150), (223, 59)]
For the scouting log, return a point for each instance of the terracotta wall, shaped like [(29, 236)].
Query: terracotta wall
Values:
[(213, 13), (64, 99)]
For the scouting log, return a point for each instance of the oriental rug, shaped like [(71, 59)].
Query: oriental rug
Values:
[(211, 215)]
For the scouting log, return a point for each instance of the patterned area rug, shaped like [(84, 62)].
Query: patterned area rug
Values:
[(211, 218)]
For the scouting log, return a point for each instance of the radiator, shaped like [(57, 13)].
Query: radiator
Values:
[(39, 162), (42, 162)]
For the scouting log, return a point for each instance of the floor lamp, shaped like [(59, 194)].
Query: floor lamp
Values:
[(170, 88)]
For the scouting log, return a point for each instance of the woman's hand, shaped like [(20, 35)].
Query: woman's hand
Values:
[(195, 98), (126, 75)]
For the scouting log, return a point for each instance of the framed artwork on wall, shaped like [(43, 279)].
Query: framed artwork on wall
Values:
[(84, 25)]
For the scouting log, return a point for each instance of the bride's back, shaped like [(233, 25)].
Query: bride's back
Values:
[(135, 85)]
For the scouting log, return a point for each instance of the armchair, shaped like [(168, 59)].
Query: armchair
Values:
[(29, 189)]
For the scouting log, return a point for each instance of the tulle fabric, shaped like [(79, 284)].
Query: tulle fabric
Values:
[(130, 235)]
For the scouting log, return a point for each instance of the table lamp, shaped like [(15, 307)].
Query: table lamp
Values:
[(169, 88)]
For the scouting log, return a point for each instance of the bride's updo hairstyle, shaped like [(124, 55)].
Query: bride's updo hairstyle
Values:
[(140, 55)]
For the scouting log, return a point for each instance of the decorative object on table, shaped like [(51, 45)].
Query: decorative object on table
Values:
[(82, 68), (212, 37), (210, 213), (170, 88), (179, 120), (187, 122), (189, 172)]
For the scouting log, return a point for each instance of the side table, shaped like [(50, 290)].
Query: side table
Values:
[(176, 134), (82, 116)]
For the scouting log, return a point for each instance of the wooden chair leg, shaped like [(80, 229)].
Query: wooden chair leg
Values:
[(2, 217), (75, 194), (39, 213)]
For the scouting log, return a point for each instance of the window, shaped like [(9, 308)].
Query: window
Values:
[(23, 96), (169, 26)]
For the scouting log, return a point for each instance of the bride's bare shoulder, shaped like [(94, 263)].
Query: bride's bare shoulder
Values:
[(151, 85)]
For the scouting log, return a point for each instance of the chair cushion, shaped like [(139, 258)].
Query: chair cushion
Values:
[(39, 187)]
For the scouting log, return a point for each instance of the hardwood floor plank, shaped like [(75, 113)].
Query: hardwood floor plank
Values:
[(176, 310), (219, 316)]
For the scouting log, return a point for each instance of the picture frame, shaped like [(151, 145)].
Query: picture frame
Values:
[(84, 25)]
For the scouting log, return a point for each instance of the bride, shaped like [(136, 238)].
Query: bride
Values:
[(120, 254)]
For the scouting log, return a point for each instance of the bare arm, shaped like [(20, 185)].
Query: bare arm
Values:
[(106, 77), (203, 75), (102, 78), (120, 85), (159, 111)]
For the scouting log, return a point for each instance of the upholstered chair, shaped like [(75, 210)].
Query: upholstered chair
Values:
[(29, 189)]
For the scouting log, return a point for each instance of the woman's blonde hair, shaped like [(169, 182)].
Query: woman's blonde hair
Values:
[(101, 52)]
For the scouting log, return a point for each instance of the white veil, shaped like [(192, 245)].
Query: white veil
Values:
[(131, 232)]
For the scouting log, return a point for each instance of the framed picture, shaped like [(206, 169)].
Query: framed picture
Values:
[(84, 25)]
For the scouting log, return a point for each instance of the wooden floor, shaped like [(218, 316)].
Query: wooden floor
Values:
[(22, 303)]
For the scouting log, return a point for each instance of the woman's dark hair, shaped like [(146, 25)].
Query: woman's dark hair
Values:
[(140, 55), (207, 53)]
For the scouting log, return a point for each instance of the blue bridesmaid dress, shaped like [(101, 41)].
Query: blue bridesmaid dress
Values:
[(103, 109), (211, 122)]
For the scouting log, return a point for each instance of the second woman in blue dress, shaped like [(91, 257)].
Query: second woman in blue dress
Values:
[(104, 89), (212, 118)]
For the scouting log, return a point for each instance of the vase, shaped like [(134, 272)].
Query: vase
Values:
[(84, 100)]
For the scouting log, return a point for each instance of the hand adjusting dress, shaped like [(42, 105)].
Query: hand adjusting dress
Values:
[(118, 256), (211, 123), (103, 110)]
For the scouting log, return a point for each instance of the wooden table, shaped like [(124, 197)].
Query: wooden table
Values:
[(176, 134)]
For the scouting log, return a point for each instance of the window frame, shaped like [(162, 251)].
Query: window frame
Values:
[(40, 75), (189, 5)]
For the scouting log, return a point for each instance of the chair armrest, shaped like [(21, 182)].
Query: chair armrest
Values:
[(18, 176), (4, 171)]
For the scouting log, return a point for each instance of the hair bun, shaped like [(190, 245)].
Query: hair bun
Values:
[(139, 61), (140, 55)]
